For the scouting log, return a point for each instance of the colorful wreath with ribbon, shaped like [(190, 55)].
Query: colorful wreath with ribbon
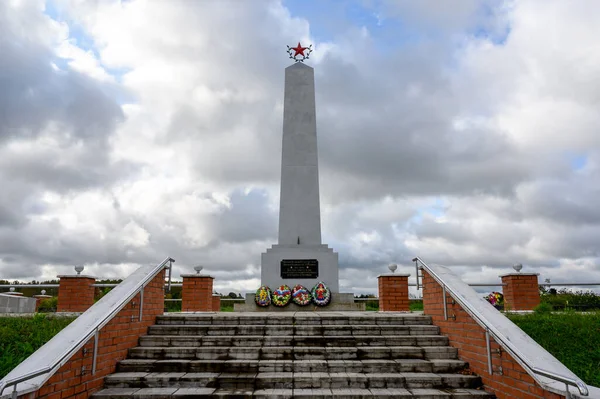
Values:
[(281, 296), (496, 299), (321, 296), (263, 296), (300, 295)]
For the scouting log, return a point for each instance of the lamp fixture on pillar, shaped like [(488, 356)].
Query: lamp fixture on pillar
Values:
[(518, 267), (198, 269), (78, 269), (393, 267)]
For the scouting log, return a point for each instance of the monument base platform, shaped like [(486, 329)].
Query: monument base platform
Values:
[(339, 302), (327, 259)]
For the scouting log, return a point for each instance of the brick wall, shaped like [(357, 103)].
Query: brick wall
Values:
[(521, 291), (216, 303), (114, 340), (197, 293), (469, 338), (75, 293), (393, 293)]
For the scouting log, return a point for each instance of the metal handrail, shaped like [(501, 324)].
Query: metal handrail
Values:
[(501, 339), (91, 331)]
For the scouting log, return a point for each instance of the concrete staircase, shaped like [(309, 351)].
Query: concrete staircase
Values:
[(300, 355)]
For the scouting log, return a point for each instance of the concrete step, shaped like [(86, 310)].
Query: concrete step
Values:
[(297, 366), (294, 352), (285, 330), (282, 340), (291, 380), (269, 319), (418, 393)]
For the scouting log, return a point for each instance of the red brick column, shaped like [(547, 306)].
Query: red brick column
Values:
[(521, 291), (216, 303), (197, 293), (75, 293), (469, 338), (393, 293)]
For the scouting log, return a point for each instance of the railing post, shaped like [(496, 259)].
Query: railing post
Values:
[(417, 272), (141, 303), (489, 351), (445, 302), (96, 334)]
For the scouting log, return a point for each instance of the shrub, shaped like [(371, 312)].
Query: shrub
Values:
[(48, 305), (569, 299), (543, 308)]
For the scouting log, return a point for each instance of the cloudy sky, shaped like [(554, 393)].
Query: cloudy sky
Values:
[(466, 134)]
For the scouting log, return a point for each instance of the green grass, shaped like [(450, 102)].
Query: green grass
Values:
[(570, 337), (415, 305), (21, 336)]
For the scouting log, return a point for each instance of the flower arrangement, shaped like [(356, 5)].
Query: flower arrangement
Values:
[(282, 295), (321, 295), (300, 295), (263, 296), (496, 299)]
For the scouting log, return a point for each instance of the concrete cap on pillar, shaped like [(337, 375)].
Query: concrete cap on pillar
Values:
[(519, 274), (195, 275)]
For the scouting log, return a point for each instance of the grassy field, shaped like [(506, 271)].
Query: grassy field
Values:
[(21, 336), (573, 338)]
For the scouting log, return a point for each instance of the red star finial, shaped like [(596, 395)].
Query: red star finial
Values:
[(303, 52), (299, 50)]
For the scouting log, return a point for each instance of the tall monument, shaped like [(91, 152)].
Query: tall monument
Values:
[(299, 257)]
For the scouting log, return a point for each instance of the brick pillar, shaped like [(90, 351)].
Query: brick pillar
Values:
[(197, 293), (39, 299), (521, 291), (216, 303), (393, 293), (75, 293)]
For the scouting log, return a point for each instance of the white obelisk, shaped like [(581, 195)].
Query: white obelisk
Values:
[(299, 258), (299, 208)]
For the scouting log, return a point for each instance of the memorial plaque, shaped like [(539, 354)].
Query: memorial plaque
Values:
[(299, 268)]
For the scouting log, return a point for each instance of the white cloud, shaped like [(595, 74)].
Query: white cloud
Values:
[(453, 150)]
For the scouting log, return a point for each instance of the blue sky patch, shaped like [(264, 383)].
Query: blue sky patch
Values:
[(577, 162)]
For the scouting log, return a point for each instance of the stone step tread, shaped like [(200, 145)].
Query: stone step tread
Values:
[(175, 340), (327, 330), (171, 336), (289, 347), (291, 380), (273, 321), (289, 352), (296, 325), (156, 393), (358, 366), (130, 376)]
